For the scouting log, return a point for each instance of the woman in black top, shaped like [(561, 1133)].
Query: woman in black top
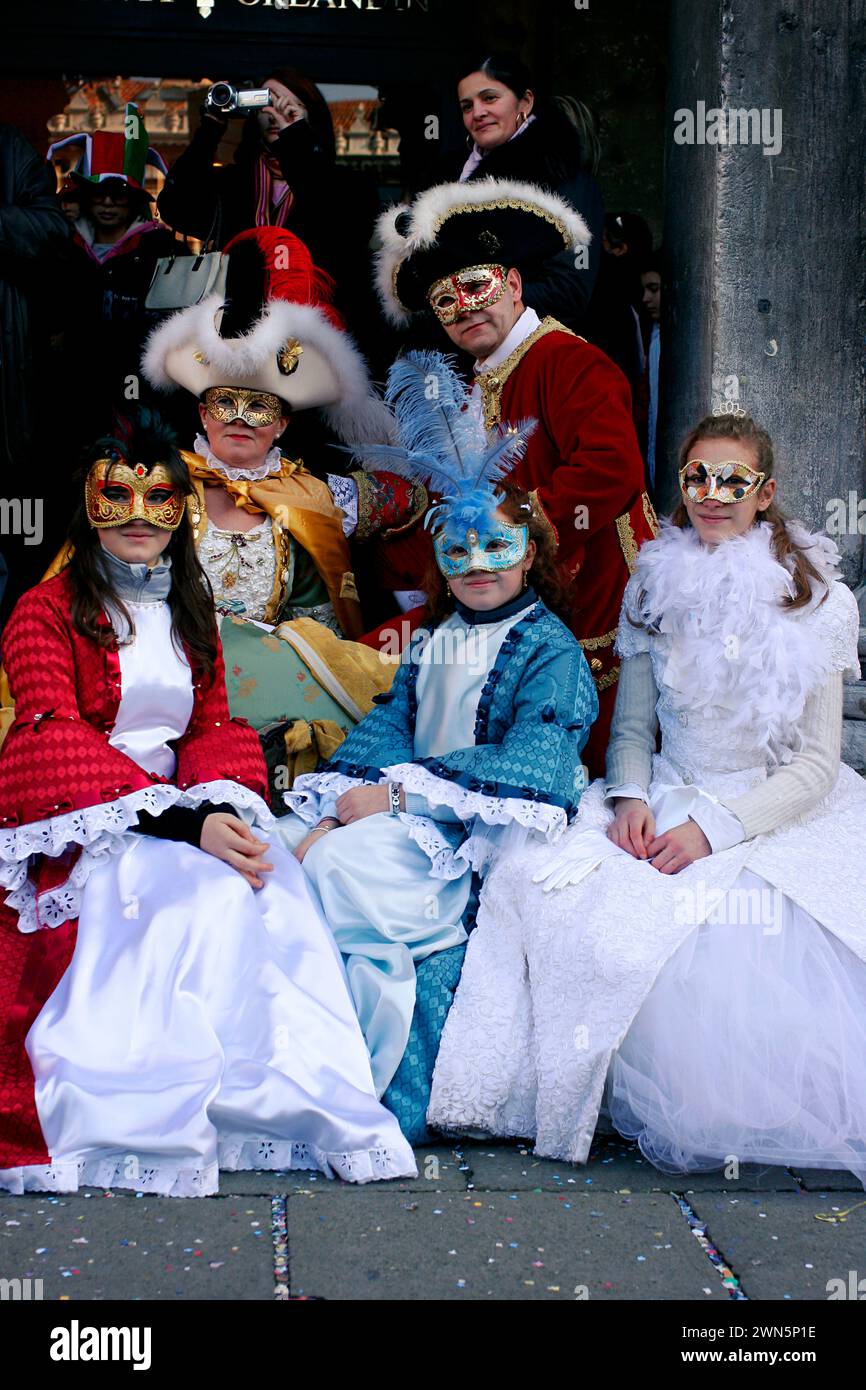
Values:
[(511, 135)]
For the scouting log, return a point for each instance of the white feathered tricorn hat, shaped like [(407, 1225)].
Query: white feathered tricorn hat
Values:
[(275, 329), (455, 225)]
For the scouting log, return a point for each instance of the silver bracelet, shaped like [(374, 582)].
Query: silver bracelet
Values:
[(394, 797)]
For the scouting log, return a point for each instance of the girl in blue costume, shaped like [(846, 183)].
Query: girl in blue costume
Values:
[(476, 747)]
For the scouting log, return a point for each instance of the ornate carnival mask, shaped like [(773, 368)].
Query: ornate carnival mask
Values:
[(729, 481), (227, 403), (497, 546), (476, 287), (116, 493)]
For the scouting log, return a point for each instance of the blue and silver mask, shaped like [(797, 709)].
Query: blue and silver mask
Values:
[(494, 545)]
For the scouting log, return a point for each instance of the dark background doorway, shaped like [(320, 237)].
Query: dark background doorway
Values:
[(612, 57)]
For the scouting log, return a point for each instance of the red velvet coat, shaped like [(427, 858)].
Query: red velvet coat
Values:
[(583, 454), (586, 467), (57, 759)]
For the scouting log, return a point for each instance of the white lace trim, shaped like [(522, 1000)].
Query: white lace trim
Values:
[(312, 788), (444, 858), (476, 851), (184, 1180), (493, 810), (273, 463), (101, 831)]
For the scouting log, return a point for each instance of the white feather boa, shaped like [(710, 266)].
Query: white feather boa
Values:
[(735, 652)]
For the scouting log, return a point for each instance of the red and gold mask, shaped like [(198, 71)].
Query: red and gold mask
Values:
[(476, 287), (116, 493)]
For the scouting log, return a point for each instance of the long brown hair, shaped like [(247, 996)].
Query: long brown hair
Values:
[(745, 430), (193, 622), (543, 574)]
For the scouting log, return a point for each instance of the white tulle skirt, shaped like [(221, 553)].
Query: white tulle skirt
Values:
[(750, 1047)]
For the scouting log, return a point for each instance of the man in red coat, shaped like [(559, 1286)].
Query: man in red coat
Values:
[(459, 251)]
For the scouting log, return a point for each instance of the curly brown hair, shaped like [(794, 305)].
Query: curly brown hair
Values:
[(745, 430), (543, 575)]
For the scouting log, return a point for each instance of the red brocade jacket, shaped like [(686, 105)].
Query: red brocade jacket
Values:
[(56, 761)]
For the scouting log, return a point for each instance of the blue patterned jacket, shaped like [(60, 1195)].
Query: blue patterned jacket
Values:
[(534, 717)]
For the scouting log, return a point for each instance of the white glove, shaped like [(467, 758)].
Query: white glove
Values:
[(584, 851)]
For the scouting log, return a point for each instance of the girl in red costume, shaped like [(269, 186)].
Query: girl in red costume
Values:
[(172, 1001)]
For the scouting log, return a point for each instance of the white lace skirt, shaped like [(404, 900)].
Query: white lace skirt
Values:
[(201, 1025), (750, 1047)]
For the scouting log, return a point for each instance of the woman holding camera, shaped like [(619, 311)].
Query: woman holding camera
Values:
[(284, 175)]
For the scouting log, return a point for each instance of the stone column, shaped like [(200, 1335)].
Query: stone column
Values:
[(767, 303)]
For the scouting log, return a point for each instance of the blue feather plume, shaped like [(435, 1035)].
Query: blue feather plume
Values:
[(443, 440)]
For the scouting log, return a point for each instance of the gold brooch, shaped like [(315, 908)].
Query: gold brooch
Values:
[(289, 356), (200, 357)]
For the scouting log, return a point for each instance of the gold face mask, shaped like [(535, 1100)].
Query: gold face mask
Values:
[(255, 408), (116, 493)]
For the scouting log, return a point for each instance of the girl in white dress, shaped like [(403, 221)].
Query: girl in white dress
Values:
[(694, 959), (173, 1001)]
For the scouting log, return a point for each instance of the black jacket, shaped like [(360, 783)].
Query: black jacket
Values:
[(32, 231), (103, 326), (543, 155), (333, 208)]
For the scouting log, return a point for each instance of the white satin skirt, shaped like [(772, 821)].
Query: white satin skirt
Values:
[(201, 1025), (750, 1046)]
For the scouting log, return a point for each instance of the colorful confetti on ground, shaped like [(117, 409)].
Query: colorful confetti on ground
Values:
[(699, 1231), (280, 1238)]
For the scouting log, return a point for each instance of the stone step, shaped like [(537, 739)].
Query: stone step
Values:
[(854, 700), (854, 743)]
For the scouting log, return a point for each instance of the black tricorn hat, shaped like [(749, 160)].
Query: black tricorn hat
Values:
[(455, 225)]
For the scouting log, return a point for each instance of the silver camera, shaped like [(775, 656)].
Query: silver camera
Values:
[(227, 100)]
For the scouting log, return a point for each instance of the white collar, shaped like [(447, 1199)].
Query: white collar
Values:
[(526, 324), (272, 464)]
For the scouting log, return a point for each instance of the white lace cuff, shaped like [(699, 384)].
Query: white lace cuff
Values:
[(478, 851), (492, 810), (345, 494), (100, 831), (313, 792)]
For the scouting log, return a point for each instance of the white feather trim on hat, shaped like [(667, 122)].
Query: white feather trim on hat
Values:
[(433, 207), (331, 374), (390, 254)]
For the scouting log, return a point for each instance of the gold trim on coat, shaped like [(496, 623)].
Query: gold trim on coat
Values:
[(490, 383), (593, 643)]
